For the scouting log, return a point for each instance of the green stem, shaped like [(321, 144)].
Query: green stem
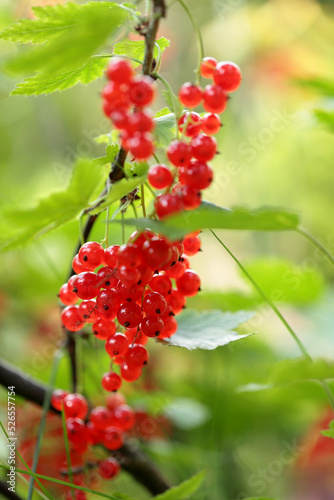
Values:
[(123, 230), (142, 192), (317, 243), (67, 449)]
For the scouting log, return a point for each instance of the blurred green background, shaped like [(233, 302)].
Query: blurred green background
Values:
[(273, 152)]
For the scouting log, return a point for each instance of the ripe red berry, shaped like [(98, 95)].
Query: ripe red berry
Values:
[(57, 398), (85, 285), (227, 75), (111, 381), (93, 435), (204, 147), (157, 252), (189, 284), (75, 406), (87, 311), (110, 255), (176, 301), (130, 374), (91, 254), (190, 124), (114, 400), (160, 177), (208, 66), (191, 197), (141, 91), (152, 326), (138, 238), (141, 146), (102, 328), (179, 153), (71, 318), (129, 314), (176, 271), (161, 284), (128, 275), (137, 356), (214, 99), (170, 327), (211, 124), (100, 417), (154, 304), (198, 175), (117, 345), (107, 302), (77, 266), (111, 92), (168, 204), (190, 95), (67, 297), (112, 439), (119, 71), (124, 417), (106, 277), (130, 294), (192, 245), (120, 117), (76, 429), (130, 255), (108, 468), (140, 121)]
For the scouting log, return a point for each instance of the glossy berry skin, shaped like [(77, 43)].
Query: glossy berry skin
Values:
[(129, 314), (110, 255), (191, 197), (208, 66), (211, 124), (170, 327), (119, 71), (198, 175), (117, 345), (91, 254), (66, 296), (120, 117), (124, 417), (130, 374), (87, 311), (75, 429), (141, 146), (157, 252), (154, 304), (130, 255), (190, 124), (111, 92), (77, 266), (108, 468), (160, 177), (192, 245), (106, 277), (129, 294), (93, 435), (190, 95), (112, 439), (85, 285), (214, 99), (114, 400), (161, 284), (227, 75), (102, 329), (100, 417), (179, 153), (176, 271), (138, 238), (152, 326), (71, 318), (204, 147), (176, 301), (137, 356), (57, 398), (141, 91), (111, 381), (75, 406), (107, 302), (128, 275), (140, 121), (189, 284), (168, 204)]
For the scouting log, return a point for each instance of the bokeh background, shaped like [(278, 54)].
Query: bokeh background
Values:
[(206, 409)]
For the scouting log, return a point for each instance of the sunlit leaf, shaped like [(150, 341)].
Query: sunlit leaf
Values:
[(183, 490), (136, 48)]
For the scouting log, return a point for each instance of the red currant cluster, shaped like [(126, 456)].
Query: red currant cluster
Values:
[(125, 98)]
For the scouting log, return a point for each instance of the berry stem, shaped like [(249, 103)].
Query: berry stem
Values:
[(317, 243), (142, 192)]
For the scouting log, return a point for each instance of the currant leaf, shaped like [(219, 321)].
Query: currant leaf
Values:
[(183, 490), (136, 48), (325, 118), (164, 130)]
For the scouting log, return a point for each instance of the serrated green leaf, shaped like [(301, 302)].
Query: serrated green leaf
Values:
[(301, 369), (162, 112), (329, 432), (164, 130), (136, 48), (20, 226), (78, 43), (173, 102), (118, 191), (110, 137), (208, 329), (111, 152), (183, 490), (320, 85), (325, 118), (48, 83), (209, 215)]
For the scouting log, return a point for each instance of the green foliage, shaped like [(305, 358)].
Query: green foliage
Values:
[(53, 82), (330, 432), (173, 102), (319, 85), (186, 413), (136, 48), (183, 490), (301, 369), (164, 130), (325, 118), (209, 329)]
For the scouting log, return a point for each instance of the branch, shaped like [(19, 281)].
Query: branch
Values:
[(159, 10), (131, 458)]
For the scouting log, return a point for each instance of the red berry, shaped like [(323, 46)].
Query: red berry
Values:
[(75, 406), (106, 277), (146, 275), (137, 356), (227, 75), (129, 314), (138, 238), (112, 439), (160, 177), (93, 435), (117, 345), (157, 252), (120, 117), (152, 326), (57, 398), (87, 311), (198, 175), (211, 124), (141, 91), (108, 468), (168, 204), (176, 301), (189, 284), (190, 95), (179, 153), (191, 197), (111, 92), (214, 99), (110, 256), (140, 121), (141, 146), (91, 254), (85, 285), (124, 417), (67, 297), (130, 374), (102, 329), (208, 66), (204, 147), (77, 266), (128, 275), (100, 417), (154, 304), (190, 124), (111, 381), (170, 327), (176, 271), (107, 302), (192, 245), (130, 255), (76, 429), (119, 71), (71, 318), (130, 294), (114, 400), (161, 284)]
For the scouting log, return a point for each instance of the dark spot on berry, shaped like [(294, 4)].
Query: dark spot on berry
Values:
[(85, 258), (157, 333), (57, 294), (129, 300), (75, 290), (115, 390), (95, 332), (126, 324), (173, 263), (105, 307), (184, 307), (158, 311), (115, 353), (171, 314), (85, 316), (107, 283), (145, 363), (156, 272), (199, 289)]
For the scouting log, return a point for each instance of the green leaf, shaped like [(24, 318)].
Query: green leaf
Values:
[(77, 44), (111, 152), (301, 369), (320, 85), (53, 82), (325, 118), (330, 432), (183, 490), (20, 226), (209, 215), (260, 498), (164, 130), (122, 496), (118, 191), (208, 329), (186, 413), (162, 112), (173, 102), (136, 48)]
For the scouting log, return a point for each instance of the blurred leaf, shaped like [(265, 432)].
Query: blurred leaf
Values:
[(284, 281), (325, 118), (48, 83), (187, 413), (164, 130), (209, 329), (227, 301), (330, 432), (136, 48), (118, 191), (19, 226), (300, 369), (162, 112), (77, 44), (209, 215), (320, 85), (260, 498), (183, 490), (173, 102), (111, 152), (121, 496)]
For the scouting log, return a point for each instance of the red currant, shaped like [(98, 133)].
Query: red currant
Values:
[(129, 314), (192, 245), (119, 71), (141, 146), (211, 124), (204, 147), (85, 285), (102, 329), (111, 381), (157, 252), (227, 75), (190, 95), (176, 301), (110, 256), (160, 177), (137, 356), (100, 417), (141, 91), (130, 374), (161, 284), (106, 277), (67, 297), (87, 311), (108, 468), (191, 197), (91, 254), (154, 304), (130, 255), (208, 66), (107, 302), (76, 429), (190, 124), (124, 417), (168, 204), (71, 318), (75, 406), (214, 99), (189, 284), (140, 121), (152, 326), (117, 345), (179, 153), (112, 439), (57, 398)]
